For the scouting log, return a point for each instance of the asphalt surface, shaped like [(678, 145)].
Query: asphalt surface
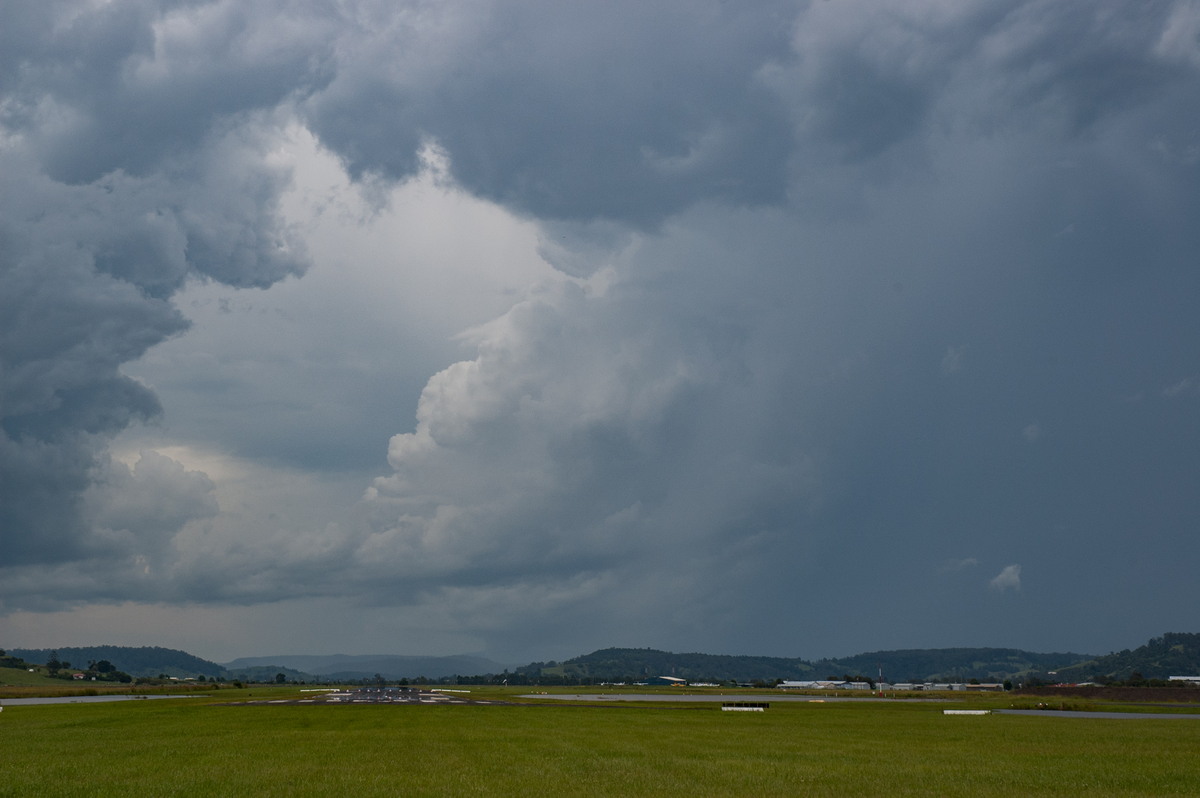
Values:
[(374, 695), (81, 699), (1068, 713), (716, 697)]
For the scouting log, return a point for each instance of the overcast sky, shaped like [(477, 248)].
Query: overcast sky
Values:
[(531, 328)]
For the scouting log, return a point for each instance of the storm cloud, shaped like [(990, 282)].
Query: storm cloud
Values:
[(684, 326), (125, 174)]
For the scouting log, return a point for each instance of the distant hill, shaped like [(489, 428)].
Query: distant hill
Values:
[(21, 677), (935, 664), (949, 664), (267, 673), (633, 664), (145, 661), (344, 667), (153, 661), (1173, 654)]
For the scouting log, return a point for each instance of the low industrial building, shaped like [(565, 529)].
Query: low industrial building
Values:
[(824, 684)]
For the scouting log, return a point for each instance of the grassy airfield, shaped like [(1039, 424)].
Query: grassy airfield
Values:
[(216, 746)]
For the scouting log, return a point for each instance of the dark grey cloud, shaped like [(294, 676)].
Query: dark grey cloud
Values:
[(132, 162), (848, 292), (132, 86), (622, 111), (829, 381)]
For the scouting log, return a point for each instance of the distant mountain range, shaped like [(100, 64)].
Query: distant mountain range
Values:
[(154, 661), (1173, 654), (365, 666), (935, 664)]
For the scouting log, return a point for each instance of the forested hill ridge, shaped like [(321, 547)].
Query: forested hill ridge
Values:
[(155, 661), (634, 664), (950, 664), (147, 661), (935, 664), (1173, 654)]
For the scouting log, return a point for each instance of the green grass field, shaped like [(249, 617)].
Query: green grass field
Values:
[(20, 677), (203, 747), (40, 685)]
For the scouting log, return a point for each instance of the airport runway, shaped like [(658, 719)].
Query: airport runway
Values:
[(716, 697)]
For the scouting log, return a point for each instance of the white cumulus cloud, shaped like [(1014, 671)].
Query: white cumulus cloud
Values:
[(1008, 579)]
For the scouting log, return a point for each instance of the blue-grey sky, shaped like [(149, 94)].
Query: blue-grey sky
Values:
[(530, 328)]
